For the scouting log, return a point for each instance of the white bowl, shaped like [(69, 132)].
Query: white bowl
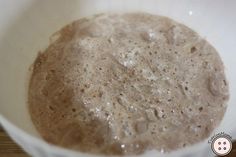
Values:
[(25, 28)]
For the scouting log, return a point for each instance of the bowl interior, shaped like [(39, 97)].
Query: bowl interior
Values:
[(26, 28)]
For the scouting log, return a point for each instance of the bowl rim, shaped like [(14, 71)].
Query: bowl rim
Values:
[(12, 129)]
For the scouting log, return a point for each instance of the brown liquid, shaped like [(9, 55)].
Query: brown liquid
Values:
[(122, 84)]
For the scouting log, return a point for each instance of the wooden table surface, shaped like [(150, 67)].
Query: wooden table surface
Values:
[(9, 149)]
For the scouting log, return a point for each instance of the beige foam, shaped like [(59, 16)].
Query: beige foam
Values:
[(121, 84)]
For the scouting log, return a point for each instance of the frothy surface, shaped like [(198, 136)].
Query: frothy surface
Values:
[(122, 84)]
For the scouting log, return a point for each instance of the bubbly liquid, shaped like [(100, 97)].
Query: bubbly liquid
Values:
[(122, 84)]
